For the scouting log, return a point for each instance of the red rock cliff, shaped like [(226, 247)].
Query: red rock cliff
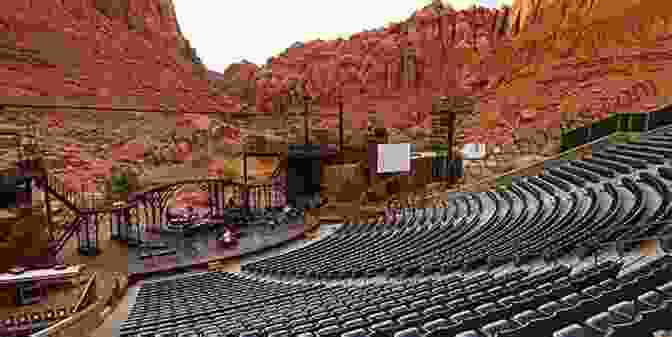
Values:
[(398, 69), (102, 48)]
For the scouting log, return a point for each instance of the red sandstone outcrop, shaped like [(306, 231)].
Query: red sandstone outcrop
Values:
[(554, 82), (105, 49), (398, 70)]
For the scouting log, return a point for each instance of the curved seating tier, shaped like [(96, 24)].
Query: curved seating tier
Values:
[(623, 192), (584, 204), (516, 303)]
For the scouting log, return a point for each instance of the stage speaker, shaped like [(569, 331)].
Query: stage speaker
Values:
[(303, 181), (666, 245), (14, 191)]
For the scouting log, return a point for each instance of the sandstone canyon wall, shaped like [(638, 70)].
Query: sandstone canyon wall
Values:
[(107, 53), (107, 49), (401, 69), (573, 62)]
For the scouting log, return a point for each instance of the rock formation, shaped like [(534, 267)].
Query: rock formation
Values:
[(104, 49), (113, 50), (398, 69), (438, 51)]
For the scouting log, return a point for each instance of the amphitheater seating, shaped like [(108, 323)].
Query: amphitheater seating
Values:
[(615, 166), (583, 208), (200, 293), (595, 168), (461, 270), (617, 156), (516, 303)]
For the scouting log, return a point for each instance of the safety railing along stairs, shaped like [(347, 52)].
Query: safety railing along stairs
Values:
[(55, 188)]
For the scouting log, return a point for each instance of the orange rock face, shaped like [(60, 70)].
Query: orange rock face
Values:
[(398, 71), (71, 48)]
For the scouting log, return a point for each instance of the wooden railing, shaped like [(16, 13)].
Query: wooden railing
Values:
[(85, 293), (81, 323), (68, 231), (77, 199)]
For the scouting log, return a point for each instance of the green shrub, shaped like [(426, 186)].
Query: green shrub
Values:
[(624, 137), (119, 184), (503, 183), (570, 155)]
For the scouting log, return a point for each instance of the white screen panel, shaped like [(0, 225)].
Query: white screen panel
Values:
[(394, 158)]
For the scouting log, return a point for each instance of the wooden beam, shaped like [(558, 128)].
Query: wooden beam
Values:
[(85, 293), (47, 201), (306, 119)]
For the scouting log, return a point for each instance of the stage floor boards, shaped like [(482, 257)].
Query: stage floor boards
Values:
[(202, 246)]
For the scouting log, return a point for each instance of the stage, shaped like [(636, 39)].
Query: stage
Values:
[(195, 250)]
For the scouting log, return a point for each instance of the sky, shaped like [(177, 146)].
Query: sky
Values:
[(225, 32)]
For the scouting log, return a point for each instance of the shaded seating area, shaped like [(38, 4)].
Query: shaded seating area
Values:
[(516, 303), (468, 268), (553, 214)]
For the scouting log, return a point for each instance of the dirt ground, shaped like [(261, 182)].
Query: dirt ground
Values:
[(113, 259)]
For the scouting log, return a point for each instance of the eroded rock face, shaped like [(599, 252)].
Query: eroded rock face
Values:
[(103, 49), (527, 12), (397, 70)]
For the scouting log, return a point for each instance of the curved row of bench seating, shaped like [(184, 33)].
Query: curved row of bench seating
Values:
[(622, 192), (200, 293), (592, 201), (516, 303)]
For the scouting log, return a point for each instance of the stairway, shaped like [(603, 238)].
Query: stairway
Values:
[(65, 214), (18, 142), (55, 246)]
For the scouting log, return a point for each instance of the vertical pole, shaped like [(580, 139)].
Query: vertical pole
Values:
[(306, 112), (245, 190), (340, 123), (211, 148), (47, 202), (451, 141)]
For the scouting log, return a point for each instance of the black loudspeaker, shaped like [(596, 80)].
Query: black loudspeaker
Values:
[(14, 191), (620, 249), (666, 245), (303, 181)]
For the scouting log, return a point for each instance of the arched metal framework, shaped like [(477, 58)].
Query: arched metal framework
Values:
[(147, 211), (126, 224)]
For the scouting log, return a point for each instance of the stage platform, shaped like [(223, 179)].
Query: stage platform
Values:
[(195, 251)]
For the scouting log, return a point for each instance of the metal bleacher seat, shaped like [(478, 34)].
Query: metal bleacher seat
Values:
[(617, 156), (566, 210)]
